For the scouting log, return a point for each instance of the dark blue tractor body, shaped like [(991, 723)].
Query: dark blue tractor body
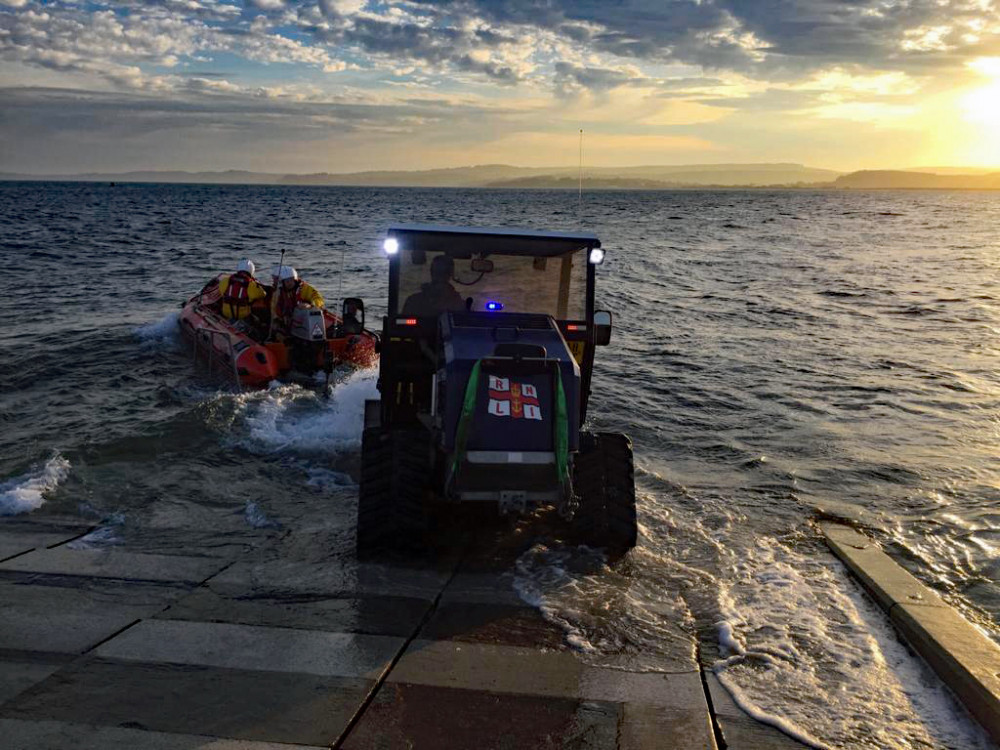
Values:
[(487, 356)]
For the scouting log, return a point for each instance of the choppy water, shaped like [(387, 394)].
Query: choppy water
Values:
[(777, 356)]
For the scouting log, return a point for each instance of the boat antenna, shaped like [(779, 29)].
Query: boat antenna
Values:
[(277, 288), (340, 281), (579, 194)]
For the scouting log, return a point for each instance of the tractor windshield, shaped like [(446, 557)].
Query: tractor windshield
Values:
[(434, 282)]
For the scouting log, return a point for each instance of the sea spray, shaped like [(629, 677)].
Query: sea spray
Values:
[(26, 493), (164, 332), (290, 418)]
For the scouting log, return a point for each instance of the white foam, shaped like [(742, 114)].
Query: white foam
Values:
[(805, 651), (290, 418), (162, 332), (327, 479), (257, 518), (801, 647), (102, 536), (27, 492)]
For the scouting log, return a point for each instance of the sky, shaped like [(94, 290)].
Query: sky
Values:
[(347, 85)]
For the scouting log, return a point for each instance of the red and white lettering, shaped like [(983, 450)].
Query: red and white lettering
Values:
[(499, 384), (499, 408)]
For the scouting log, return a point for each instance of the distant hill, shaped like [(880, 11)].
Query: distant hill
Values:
[(952, 170), (654, 177), (648, 177), (551, 182), (905, 180), (229, 177), (486, 175)]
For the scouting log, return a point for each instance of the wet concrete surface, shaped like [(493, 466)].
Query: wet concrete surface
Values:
[(108, 648), (965, 659)]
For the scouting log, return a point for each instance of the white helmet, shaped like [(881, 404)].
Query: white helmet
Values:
[(246, 265), (287, 272)]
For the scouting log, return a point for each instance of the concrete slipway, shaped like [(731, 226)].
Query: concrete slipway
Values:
[(211, 648), (965, 659)]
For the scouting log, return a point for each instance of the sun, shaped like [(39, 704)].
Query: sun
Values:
[(980, 107)]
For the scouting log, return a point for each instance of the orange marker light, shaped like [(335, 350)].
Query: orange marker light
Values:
[(406, 321)]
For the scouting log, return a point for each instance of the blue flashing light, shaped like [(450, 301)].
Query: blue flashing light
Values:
[(493, 306)]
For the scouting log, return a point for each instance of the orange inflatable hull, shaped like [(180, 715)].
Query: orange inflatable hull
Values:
[(235, 354)]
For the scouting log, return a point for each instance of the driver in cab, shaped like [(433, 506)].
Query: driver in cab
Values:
[(439, 295)]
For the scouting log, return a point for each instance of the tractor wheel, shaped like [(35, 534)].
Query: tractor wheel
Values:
[(395, 470), (604, 480)]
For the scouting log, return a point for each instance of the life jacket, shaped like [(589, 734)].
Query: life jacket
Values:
[(287, 302), (238, 291)]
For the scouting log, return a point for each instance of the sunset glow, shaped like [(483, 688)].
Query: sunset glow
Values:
[(343, 85)]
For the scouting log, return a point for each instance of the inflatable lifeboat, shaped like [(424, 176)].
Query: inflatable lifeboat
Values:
[(318, 341)]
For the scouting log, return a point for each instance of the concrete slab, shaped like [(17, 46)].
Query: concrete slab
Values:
[(258, 706), (73, 620), (485, 588), (333, 578), (18, 542), (18, 676), (526, 671), (967, 661), (376, 615), (46, 522), (500, 624), (58, 735), (425, 717), (116, 564), (740, 730), (249, 647), (647, 727), (885, 580)]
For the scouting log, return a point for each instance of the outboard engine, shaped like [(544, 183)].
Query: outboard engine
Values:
[(308, 324), (308, 350), (508, 398)]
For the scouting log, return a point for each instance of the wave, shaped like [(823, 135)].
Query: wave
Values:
[(100, 538), (162, 332), (257, 518), (27, 492), (288, 417)]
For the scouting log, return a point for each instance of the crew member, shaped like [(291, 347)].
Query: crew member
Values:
[(439, 295), (239, 291), (289, 293)]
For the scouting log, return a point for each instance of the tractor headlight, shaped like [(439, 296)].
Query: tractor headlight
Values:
[(596, 256), (391, 246)]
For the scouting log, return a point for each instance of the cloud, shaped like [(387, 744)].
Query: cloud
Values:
[(267, 4), (570, 77), (299, 68), (749, 34), (116, 45)]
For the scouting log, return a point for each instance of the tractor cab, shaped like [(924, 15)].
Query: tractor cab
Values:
[(486, 365)]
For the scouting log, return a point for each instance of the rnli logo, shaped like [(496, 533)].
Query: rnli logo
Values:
[(517, 400)]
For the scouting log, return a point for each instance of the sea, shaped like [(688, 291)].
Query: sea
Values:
[(778, 358)]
